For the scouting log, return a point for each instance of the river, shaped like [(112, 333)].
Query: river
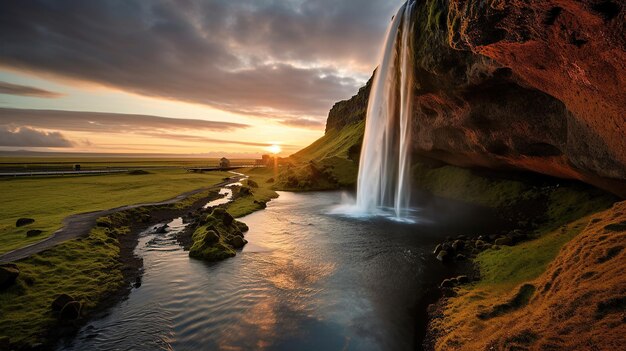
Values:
[(307, 280)]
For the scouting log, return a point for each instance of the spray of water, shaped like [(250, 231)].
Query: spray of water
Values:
[(383, 181)]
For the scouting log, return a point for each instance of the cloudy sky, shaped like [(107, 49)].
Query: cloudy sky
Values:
[(180, 76)]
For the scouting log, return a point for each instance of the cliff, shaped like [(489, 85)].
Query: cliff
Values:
[(527, 85)]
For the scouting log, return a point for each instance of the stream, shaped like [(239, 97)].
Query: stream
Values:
[(307, 280)]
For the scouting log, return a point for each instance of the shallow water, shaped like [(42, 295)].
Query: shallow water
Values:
[(307, 280)]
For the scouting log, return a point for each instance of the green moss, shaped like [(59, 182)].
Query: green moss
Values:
[(567, 207), (512, 265), (259, 196), (463, 184), (215, 239), (50, 200), (87, 269)]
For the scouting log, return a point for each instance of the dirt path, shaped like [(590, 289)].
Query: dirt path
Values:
[(80, 224)]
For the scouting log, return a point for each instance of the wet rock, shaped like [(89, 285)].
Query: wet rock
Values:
[(460, 257), (437, 250), (447, 283), (8, 274), (462, 279), (33, 232), (479, 243), (443, 256), (458, 245), (24, 221), (237, 242), (224, 216), (504, 241), (71, 311), (161, 229), (211, 237), (60, 302)]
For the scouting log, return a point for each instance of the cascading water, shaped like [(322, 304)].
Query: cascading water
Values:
[(383, 180)]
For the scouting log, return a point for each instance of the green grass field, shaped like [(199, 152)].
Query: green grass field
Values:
[(263, 193), (15, 164), (49, 200)]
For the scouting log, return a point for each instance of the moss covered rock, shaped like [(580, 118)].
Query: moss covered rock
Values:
[(218, 237)]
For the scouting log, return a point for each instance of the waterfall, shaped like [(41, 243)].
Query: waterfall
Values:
[(384, 171)]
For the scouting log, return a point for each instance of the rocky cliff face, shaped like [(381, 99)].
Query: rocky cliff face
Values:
[(350, 111), (536, 85), (523, 84)]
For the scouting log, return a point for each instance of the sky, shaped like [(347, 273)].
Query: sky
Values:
[(212, 77)]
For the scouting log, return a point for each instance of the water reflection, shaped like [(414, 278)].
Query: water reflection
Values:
[(307, 280)]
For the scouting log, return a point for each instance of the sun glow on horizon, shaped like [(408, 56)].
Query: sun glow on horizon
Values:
[(275, 149)]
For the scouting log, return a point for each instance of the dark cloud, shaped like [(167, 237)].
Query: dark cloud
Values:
[(106, 122), (23, 90), (303, 123), (263, 57), (28, 137)]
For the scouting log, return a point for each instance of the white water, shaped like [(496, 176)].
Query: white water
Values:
[(383, 181)]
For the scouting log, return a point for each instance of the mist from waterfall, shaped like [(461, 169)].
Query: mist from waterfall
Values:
[(384, 170)]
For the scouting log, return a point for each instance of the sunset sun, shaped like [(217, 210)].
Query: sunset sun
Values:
[(275, 149)]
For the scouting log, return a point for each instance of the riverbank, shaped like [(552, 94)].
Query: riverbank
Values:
[(97, 270), (50, 200)]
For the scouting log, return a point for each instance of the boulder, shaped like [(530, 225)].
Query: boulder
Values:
[(443, 256), (224, 216), (211, 237), (237, 242), (24, 221), (60, 302), (462, 279), (460, 257), (270, 180), (458, 245), (8, 274), (503, 241), (447, 283), (252, 183), (33, 232), (161, 229), (71, 311), (438, 249)]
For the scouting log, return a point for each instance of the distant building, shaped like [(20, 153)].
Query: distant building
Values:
[(224, 162), (76, 167), (266, 159)]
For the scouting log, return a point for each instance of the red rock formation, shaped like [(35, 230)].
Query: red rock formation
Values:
[(527, 84)]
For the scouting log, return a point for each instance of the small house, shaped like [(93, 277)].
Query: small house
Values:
[(224, 162)]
